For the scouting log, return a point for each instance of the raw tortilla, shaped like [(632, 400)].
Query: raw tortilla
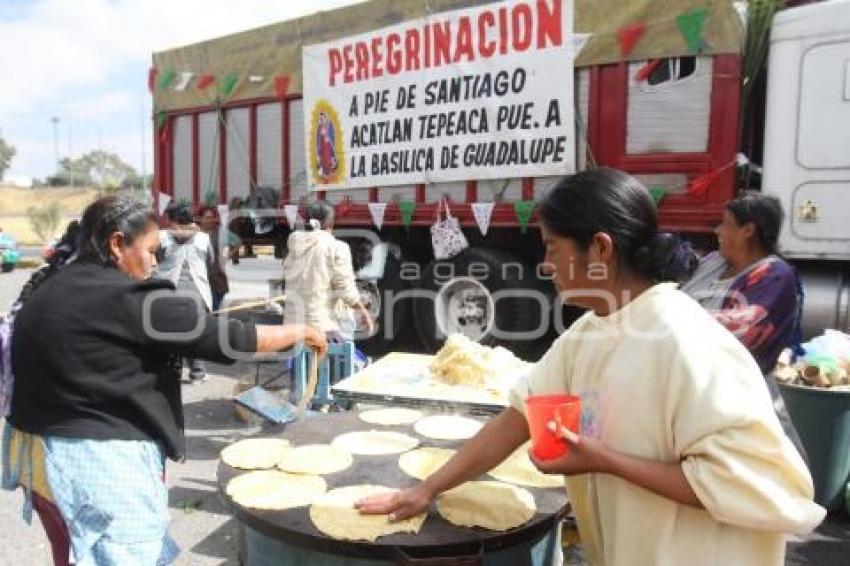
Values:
[(270, 489), (447, 427), (373, 442), (519, 470), (334, 514), (423, 462), (491, 505), (314, 459), (391, 417), (255, 453)]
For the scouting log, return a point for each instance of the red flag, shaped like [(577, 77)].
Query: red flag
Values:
[(152, 73), (281, 85), (344, 207), (645, 71), (700, 184), (629, 36), (204, 81)]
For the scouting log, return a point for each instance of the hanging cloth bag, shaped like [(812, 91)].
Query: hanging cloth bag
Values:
[(446, 236)]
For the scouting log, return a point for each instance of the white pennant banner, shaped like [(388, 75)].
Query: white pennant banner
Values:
[(183, 82), (291, 212), (164, 199), (223, 215), (483, 211), (377, 210)]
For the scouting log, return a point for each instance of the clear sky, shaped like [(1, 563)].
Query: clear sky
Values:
[(85, 62)]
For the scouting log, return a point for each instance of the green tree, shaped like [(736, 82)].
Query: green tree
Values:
[(7, 152), (100, 168), (44, 221)]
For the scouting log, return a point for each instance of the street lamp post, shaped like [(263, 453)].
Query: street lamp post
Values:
[(55, 121)]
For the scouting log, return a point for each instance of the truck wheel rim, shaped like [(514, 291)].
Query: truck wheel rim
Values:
[(465, 306)]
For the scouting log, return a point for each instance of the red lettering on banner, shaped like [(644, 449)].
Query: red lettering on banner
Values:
[(334, 65), (549, 24), (521, 20), (393, 54), (464, 40), (426, 33), (486, 48), (503, 31), (361, 53), (348, 75), (442, 43), (411, 48), (377, 57)]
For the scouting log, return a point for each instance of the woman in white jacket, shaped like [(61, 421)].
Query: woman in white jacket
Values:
[(680, 458), (319, 276)]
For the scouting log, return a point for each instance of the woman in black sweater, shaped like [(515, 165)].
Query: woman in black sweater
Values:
[(95, 355)]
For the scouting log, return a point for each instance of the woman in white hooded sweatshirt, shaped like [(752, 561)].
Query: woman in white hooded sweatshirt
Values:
[(319, 275)]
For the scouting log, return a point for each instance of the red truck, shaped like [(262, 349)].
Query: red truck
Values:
[(650, 98)]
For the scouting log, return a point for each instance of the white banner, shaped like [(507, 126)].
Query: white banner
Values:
[(478, 93), (378, 210), (164, 199), (291, 213), (483, 211), (223, 215)]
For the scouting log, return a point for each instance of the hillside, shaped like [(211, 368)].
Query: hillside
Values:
[(15, 202)]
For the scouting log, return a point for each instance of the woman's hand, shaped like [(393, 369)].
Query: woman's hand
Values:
[(315, 339), (399, 505), (584, 454)]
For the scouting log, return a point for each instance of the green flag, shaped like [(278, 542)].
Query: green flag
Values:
[(658, 193), (166, 78), (226, 86), (524, 209), (407, 209), (160, 119), (690, 24)]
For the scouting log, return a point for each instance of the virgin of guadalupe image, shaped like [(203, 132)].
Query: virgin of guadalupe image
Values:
[(326, 146)]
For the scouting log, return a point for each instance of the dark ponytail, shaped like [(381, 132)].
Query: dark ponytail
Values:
[(64, 252), (322, 213), (615, 203)]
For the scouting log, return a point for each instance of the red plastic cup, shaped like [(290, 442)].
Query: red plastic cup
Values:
[(540, 410)]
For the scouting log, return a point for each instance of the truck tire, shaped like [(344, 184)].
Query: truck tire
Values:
[(8, 267), (491, 296), (391, 284)]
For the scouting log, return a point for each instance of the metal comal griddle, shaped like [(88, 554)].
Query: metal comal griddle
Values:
[(437, 538)]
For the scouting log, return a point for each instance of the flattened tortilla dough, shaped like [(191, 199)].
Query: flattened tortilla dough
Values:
[(374, 442), (422, 462), (447, 427), (492, 505), (334, 515), (254, 453), (271, 489), (314, 459), (518, 469), (391, 417)]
